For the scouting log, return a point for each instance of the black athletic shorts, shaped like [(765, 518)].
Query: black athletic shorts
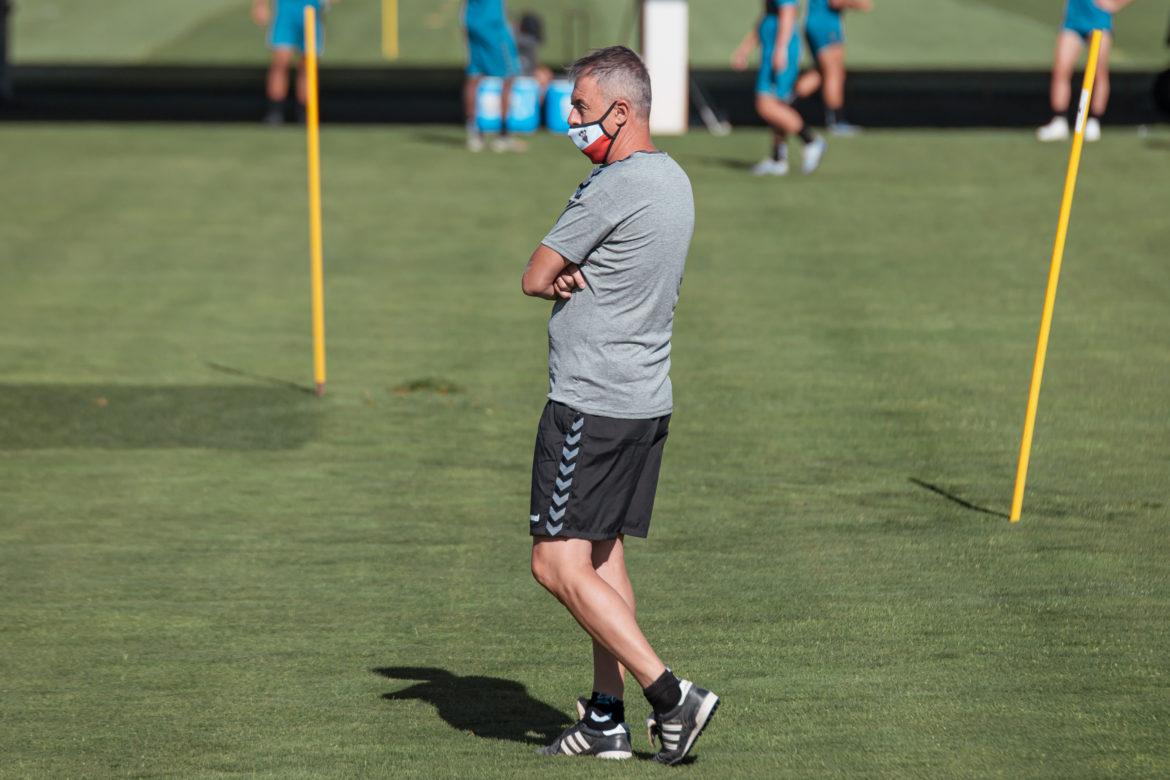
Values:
[(594, 477)]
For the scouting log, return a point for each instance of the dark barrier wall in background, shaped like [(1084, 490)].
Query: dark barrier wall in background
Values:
[(875, 98)]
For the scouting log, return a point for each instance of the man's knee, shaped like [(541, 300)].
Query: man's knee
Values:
[(546, 569), (557, 572), (542, 570)]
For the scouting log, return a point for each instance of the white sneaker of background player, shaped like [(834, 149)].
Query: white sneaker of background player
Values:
[(1056, 130), (770, 167), (813, 152), (1093, 129)]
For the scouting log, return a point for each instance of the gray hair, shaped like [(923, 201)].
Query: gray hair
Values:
[(619, 73)]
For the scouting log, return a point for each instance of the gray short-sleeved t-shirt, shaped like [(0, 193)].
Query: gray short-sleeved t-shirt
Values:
[(629, 227)]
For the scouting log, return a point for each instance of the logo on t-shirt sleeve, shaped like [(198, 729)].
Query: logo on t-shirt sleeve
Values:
[(581, 187)]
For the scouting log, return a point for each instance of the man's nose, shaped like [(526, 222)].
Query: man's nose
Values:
[(575, 117)]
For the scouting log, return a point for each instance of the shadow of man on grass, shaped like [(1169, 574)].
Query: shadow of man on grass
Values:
[(489, 707)]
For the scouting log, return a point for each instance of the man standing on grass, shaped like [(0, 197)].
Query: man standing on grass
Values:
[(285, 20), (613, 262), (1081, 17), (775, 34), (491, 51)]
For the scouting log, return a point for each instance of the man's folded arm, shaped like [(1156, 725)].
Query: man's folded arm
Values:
[(542, 270)]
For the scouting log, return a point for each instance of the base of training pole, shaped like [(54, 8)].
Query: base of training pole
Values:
[(320, 390)]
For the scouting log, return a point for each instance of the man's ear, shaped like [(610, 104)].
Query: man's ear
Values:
[(621, 112)]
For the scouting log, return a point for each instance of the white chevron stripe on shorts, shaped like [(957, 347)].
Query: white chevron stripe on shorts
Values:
[(564, 485)]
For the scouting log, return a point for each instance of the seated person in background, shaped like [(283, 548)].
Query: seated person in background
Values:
[(529, 38)]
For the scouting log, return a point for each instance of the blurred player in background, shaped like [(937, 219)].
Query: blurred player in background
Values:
[(1081, 17), (775, 33), (491, 51), (285, 20), (825, 35), (529, 39)]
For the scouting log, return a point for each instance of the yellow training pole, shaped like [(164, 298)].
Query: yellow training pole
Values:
[(1070, 186), (315, 252), (390, 29)]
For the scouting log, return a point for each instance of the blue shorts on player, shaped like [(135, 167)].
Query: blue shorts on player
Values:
[(768, 82), (491, 48), (822, 27), (288, 25), (1083, 16)]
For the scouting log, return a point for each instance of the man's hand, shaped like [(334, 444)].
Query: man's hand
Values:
[(569, 281), (261, 13), (550, 276)]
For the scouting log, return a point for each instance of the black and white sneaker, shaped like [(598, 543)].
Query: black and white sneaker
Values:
[(582, 740), (678, 729)]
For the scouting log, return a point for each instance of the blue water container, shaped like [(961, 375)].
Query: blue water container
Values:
[(524, 105), (487, 104), (557, 104)]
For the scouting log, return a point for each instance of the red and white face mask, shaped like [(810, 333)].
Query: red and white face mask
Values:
[(592, 139)]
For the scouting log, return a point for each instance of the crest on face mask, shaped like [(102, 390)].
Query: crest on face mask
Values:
[(592, 139)]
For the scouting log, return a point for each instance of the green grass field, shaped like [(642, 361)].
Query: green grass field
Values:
[(899, 33), (204, 566)]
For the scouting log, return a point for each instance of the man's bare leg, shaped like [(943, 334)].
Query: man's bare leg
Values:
[(474, 138), (302, 82), (276, 85), (808, 83), (1101, 84), (831, 61), (781, 117), (302, 89), (507, 142), (609, 561), (786, 120), (565, 568), (1064, 59)]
